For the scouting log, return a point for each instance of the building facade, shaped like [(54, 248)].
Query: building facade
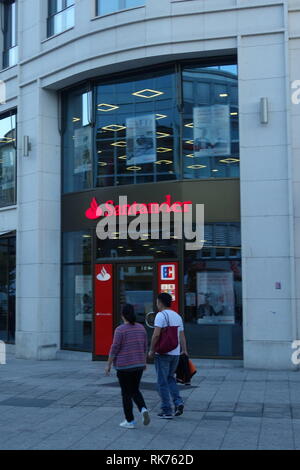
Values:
[(165, 102)]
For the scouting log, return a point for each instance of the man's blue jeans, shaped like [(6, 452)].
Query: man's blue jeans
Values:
[(166, 366)]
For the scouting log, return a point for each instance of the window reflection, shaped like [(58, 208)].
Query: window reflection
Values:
[(7, 160), (61, 16), (137, 130), (77, 294), (210, 122), (110, 6), (213, 293)]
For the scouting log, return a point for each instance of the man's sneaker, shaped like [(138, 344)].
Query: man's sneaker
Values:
[(146, 417), (165, 416), (127, 425), (179, 410)]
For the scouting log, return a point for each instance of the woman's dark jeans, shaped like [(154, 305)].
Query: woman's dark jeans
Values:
[(130, 382)]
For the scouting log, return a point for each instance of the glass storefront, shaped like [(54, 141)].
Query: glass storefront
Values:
[(174, 123), (77, 292), (169, 133), (7, 288), (8, 159), (213, 294)]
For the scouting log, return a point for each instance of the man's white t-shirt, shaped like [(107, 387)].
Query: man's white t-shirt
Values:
[(170, 318)]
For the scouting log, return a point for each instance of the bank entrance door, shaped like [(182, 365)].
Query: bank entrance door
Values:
[(135, 283), (136, 286)]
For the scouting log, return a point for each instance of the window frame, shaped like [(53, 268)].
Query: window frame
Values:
[(10, 31), (10, 113), (122, 7), (51, 16)]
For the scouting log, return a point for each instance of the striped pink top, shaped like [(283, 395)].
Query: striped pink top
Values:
[(129, 347)]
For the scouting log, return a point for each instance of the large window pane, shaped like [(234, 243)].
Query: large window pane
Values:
[(61, 16), (7, 160), (7, 288), (137, 125), (77, 142), (77, 307), (10, 48), (213, 294), (210, 122), (109, 6)]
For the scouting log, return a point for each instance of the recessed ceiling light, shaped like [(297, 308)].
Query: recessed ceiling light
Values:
[(190, 142), (148, 93), (229, 160), (122, 157), (214, 170), (104, 107), (161, 116), (134, 168), (191, 124), (164, 162), (196, 167), (163, 150), (161, 135), (114, 128), (190, 155), (121, 143), (234, 113), (102, 163), (223, 95), (75, 119)]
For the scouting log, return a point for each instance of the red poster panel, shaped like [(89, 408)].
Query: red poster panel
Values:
[(103, 309), (168, 282)]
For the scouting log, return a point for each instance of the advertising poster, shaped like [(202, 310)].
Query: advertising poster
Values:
[(212, 131), (8, 168), (215, 297), (84, 298), (141, 140), (82, 154)]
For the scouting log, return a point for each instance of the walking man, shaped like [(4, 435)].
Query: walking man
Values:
[(166, 364)]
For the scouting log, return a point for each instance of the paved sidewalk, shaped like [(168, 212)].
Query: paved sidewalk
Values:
[(71, 405)]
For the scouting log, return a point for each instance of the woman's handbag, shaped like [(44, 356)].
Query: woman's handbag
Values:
[(168, 339)]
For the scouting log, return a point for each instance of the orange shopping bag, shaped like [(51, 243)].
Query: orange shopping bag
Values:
[(192, 368)]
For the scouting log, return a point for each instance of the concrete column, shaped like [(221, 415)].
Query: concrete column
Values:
[(265, 205), (38, 236)]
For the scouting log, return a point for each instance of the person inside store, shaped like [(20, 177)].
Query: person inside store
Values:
[(128, 354), (166, 361)]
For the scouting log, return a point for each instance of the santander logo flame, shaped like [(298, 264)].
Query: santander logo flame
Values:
[(103, 275), (95, 212), (91, 213)]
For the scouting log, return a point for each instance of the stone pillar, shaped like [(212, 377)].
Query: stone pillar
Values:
[(38, 235)]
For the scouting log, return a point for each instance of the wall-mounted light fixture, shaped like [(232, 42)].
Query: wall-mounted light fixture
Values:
[(26, 146), (264, 111)]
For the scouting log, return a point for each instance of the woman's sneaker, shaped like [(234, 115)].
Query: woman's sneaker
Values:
[(127, 425), (165, 416), (145, 416), (179, 410)]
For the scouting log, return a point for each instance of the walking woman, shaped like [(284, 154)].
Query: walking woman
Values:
[(128, 355)]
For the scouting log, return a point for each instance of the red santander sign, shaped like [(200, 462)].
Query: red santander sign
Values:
[(109, 208)]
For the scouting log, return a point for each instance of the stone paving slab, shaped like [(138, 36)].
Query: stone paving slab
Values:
[(68, 404)]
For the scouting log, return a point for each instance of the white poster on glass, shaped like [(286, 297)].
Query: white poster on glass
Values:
[(8, 167), (82, 152), (141, 140), (215, 297), (212, 131), (84, 298)]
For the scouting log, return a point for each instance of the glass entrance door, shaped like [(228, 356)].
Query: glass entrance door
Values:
[(7, 288), (136, 286)]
